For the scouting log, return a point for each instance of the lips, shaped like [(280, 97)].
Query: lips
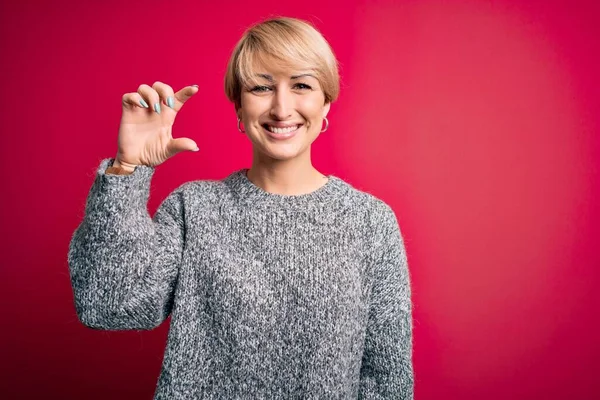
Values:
[(281, 128), (280, 131)]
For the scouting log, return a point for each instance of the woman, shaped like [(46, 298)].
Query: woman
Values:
[(280, 282)]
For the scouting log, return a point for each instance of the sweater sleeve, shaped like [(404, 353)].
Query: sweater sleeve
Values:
[(387, 371), (124, 264)]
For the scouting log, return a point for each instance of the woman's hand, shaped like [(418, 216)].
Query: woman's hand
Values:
[(145, 133)]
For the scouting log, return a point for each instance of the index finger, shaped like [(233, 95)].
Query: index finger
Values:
[(184, 95)]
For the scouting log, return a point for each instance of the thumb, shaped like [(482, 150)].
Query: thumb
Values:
[(182, 144), (184, 95)]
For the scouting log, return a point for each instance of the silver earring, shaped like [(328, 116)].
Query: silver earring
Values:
[(239, 127), (326, 124)]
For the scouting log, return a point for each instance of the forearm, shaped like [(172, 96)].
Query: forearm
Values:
[(387, 370), (122, 263)]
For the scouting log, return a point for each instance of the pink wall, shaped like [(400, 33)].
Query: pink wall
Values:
[(477, 121)]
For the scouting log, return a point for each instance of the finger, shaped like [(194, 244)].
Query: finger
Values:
[(166, 93), (131, 100), (184, 95), (150, 96), (182, 144)]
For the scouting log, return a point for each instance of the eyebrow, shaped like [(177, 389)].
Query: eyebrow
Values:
[(270, 78)]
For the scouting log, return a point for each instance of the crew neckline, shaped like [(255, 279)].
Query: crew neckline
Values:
[(251, 194)]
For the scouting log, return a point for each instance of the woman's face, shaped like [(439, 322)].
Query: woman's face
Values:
[(283, 113)]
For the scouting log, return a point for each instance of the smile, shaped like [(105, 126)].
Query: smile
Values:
[(281, 130), (281, 133)]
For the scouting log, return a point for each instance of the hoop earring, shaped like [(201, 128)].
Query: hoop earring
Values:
[(239, 128), (326, 124)]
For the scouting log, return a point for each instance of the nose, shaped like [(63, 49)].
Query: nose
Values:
[(282, 105)]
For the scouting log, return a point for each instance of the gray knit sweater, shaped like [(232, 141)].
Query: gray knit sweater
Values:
[(270, 296)]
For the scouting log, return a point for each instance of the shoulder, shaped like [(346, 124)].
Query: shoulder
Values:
[(200, 192), (377, 209), (379, 218), (201, 187)]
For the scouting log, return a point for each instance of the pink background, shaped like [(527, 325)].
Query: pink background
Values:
[(477, 121)]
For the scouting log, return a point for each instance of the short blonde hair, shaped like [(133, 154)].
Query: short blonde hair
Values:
[(291, 42)]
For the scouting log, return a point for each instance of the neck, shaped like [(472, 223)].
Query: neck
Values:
[(285, 177)]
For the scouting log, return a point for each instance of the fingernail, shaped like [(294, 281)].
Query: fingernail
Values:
[(157, 108), (195, 86), (143, 103), (196, 149), (170, 102)]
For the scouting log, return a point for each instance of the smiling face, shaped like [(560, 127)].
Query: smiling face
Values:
[(282, 111)]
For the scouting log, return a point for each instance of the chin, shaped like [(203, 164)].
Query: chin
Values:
[(281, 156), (281, 153)]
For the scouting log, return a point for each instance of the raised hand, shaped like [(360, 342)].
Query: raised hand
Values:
[(145, 133)]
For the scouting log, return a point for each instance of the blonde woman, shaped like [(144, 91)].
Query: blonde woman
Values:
[(281, 282)]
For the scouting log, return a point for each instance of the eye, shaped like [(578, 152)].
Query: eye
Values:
[(260, 89), (302, 86)]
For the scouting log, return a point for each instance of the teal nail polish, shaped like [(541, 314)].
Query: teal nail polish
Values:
[(143, 103), (157, 108), (170, 102)]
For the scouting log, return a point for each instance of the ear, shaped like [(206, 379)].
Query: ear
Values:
[(326, 108)]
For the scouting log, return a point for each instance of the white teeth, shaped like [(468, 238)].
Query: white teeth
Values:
[(283, 130)]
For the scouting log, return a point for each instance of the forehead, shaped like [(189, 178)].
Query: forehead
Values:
[(268, 66), (284, 75)]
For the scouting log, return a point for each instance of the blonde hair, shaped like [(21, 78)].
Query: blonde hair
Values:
[(293, 43)]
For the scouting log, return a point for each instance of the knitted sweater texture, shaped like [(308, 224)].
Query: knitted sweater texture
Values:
[(270, 296)]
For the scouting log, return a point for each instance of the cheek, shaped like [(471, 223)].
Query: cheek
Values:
[(311, 108), (252, 106)]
